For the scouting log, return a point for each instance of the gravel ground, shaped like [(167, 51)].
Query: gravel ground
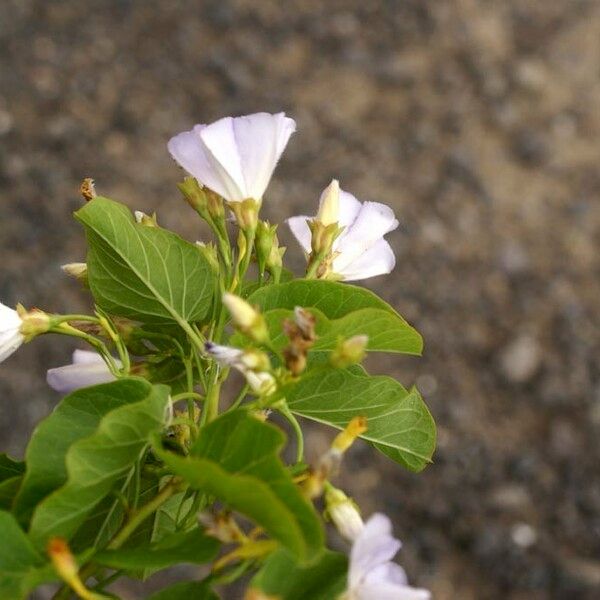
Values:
[(476, 120)]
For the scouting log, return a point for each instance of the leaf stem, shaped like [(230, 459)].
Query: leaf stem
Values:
[(285, 411)]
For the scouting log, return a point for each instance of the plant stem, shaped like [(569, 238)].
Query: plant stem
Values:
[(140, 515), (285, 411)]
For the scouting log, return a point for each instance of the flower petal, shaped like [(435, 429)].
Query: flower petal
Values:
[(349, 208), (379, 259), (374, 546), (389, 591), (300, 229), (9, 318), (260, 139), (72, 377), (10, 341), (87, 357), (220, 145), (372, 222)]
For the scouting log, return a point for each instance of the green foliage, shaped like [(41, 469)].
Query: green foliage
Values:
[(141, 272), (183, 547), (236, 459), (323, 579), (121, 471), (186, 590), (21, 567), (399, 423), (96, 462)]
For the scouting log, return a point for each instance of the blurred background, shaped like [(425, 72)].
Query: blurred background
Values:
[(477, 121)]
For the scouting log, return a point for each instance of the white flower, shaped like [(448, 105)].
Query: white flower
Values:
[(235, 156), (226, 356), (88, 368), (248, 362), (372, 575), (10, 331), (360, 251)]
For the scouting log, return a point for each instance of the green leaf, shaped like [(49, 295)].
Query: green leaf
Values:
[(145, 273), (322, 579), (96, 463), (387, 331), (9, 467), (189, 547), (9, 489), (341, 310), (76, 417), (236, 460), (21, 567), (186, 590), (399, 423)]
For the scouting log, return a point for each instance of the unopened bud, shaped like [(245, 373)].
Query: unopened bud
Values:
[(78, 271), (147, 220), (209, 251), (355, 428), (329, 206), (263, 384), (87, 189), (214, 204), (246, 213), (67, 569), (194, 194), (349, 352), (265, 239), (255, 360), (247, 319), (344, 513)]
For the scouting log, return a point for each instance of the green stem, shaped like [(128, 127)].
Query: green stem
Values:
[(184, 395), (211, 410), (140, 515), (285, 411)]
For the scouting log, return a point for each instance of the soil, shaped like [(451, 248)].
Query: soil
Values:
[(476, 120)]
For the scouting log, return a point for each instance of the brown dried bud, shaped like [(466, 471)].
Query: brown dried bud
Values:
[(87, 189)]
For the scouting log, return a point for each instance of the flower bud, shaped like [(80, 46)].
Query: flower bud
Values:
[(349, 352), (224, 355), (194, 194), (143, 219), (209, 251), (255, 360), (78, 271), (248, 320), (306, 323), (356, 427), (265, 239), (344, 513), (246, 213), (329, 207), (263, 384), (67, 569), (222, 526), (214, 204)]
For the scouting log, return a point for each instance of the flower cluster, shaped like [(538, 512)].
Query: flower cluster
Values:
[(171, 321)]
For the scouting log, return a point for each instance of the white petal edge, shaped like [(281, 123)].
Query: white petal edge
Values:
[(379, 259), (299, 227)]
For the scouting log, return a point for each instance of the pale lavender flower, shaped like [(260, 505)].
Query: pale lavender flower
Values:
[(235, 156), (372, 575), (10, 331), (87, 368), (360, 251)]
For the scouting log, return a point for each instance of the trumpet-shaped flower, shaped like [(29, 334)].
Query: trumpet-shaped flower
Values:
[(360, 251), (372, 574), (87, 368), (235, 156), (10, 331)]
